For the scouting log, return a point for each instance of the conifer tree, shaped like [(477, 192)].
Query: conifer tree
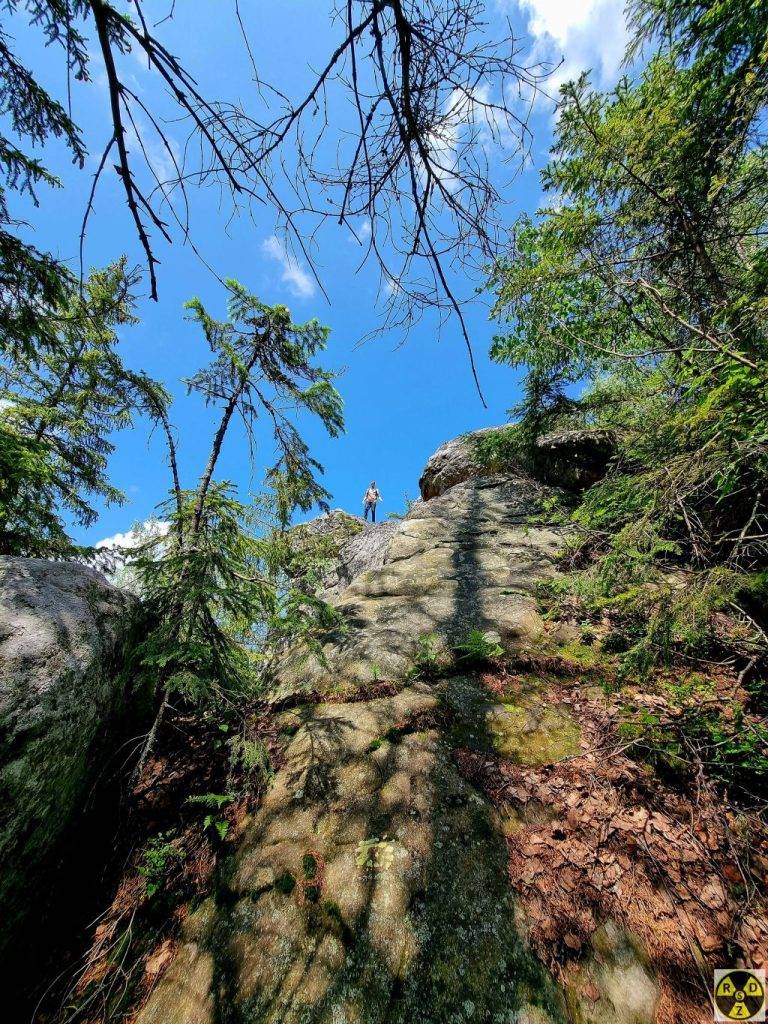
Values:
[(636, 301), (58, 411), (211, 584)]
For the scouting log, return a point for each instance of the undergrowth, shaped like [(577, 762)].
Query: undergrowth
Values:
[(209, 771)]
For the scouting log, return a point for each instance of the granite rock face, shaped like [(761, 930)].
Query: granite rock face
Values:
[(62, 628), (335, 524), (572, 459), (372, 884), (348, 543), (369, 888), (469, 559), (364, 552)]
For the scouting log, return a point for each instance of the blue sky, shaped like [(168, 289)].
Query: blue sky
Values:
[(403, 397)]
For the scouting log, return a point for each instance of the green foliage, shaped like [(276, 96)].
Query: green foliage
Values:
[(249, 760), (200, 595), (216, 801), (426, 659), (408, 504), (157, 860), (479, 648), (728, 743), (220, 825), (57, 413), (263, 364), (498, 450), (636, 301), (225, 580), (285, 883), (33, 285)]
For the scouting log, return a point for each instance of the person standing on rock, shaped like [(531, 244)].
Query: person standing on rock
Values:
[(370, 499)]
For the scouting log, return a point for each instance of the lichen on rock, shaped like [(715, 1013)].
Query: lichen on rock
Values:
[(62, 629), (406, 916), (470, 559)]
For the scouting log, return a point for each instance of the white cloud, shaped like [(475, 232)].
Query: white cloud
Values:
[(361, 233), (300, 283), (585, 34), (466, 111), (113, 554), (132, 538)]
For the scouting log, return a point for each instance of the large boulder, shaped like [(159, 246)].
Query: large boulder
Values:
[(345, 544), (573, 459), (469, 559), (62, 628), (456, 461)]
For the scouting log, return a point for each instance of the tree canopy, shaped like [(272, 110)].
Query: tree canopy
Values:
[(636, 301)]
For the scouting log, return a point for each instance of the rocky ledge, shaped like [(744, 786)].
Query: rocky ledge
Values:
[(470, 559), (571, 459)]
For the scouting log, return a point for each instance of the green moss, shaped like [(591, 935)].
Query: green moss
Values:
[(581, 654), (286, 883), (525, 728), (533, 732)]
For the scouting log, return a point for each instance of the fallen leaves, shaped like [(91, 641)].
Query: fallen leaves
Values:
[(623, 846)]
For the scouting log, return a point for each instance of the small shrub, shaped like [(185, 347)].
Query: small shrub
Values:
[(729, 746), (286, 883), (479, 648), (216, 801), (426, 662), (616, 642), (409, 503), (156, 862), (498, 450)]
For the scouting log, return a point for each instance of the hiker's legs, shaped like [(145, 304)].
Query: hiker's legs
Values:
[(367, 509), (373, 512)]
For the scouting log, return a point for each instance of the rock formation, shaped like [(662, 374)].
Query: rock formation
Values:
[(572, 459), (370, 887), (372, 884), (469, 559), (349, 542), (61, 632), (450, 836)]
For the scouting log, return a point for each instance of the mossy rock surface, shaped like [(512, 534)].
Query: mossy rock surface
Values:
[(62, 631), (527, 728), (468, 560), (400, 911), (616, 970)]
